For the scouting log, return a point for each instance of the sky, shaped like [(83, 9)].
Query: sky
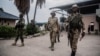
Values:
[(42, 14)]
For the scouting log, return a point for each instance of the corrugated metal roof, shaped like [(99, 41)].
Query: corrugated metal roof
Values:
[(86, 7), (80, 4), (4, 15)]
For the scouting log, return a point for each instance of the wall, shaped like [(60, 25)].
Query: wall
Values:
[(7, 22), (87, 19)]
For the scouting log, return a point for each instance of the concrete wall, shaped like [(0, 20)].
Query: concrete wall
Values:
[(7, 23), (87, 19)]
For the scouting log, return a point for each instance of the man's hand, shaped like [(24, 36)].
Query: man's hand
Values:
[(83, 34)]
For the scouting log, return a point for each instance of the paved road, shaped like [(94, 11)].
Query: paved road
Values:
[(89, 46)]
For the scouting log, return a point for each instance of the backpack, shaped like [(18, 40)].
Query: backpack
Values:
[(76, 22)]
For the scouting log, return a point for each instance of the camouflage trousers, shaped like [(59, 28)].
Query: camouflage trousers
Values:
[(74, 35), (57, 37), (20, 36), (53, 35)]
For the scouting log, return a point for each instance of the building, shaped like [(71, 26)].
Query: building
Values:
[(88, 10), (41, 26), (7, 19)]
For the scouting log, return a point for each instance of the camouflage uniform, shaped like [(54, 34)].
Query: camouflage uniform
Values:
[(19, 28), (75, 27), (74, 33), (53, 27)]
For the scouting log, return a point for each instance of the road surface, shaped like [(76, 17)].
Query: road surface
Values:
[(39, 46)]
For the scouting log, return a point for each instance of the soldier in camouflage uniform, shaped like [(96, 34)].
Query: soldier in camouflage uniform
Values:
[(20, 27), (74, 29), (53, 27)]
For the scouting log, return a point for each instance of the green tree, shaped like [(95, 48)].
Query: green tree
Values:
[(23, 6)]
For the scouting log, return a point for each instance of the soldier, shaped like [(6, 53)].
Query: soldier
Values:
[(19, 27), (75, 27), (53, 27)]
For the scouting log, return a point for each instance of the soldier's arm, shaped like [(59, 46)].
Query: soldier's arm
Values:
[(83, 26)]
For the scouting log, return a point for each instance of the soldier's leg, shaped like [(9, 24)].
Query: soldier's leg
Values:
[(16, 39), (50, 39), (21, 38), (74, 42), (74, 46), (56, 37), (53, 40), (14, 44)]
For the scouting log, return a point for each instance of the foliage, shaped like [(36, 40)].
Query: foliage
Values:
[(23, 6), (30, 29), (6, 31), (40, 3)]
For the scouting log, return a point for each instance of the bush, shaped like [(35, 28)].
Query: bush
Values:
[(31, 30), (6, 31)]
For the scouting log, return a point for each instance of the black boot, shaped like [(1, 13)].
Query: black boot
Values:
[(73, 53), (52, 46)]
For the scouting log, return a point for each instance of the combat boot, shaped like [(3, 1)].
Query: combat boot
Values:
[(73, 53), (52, 46)]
